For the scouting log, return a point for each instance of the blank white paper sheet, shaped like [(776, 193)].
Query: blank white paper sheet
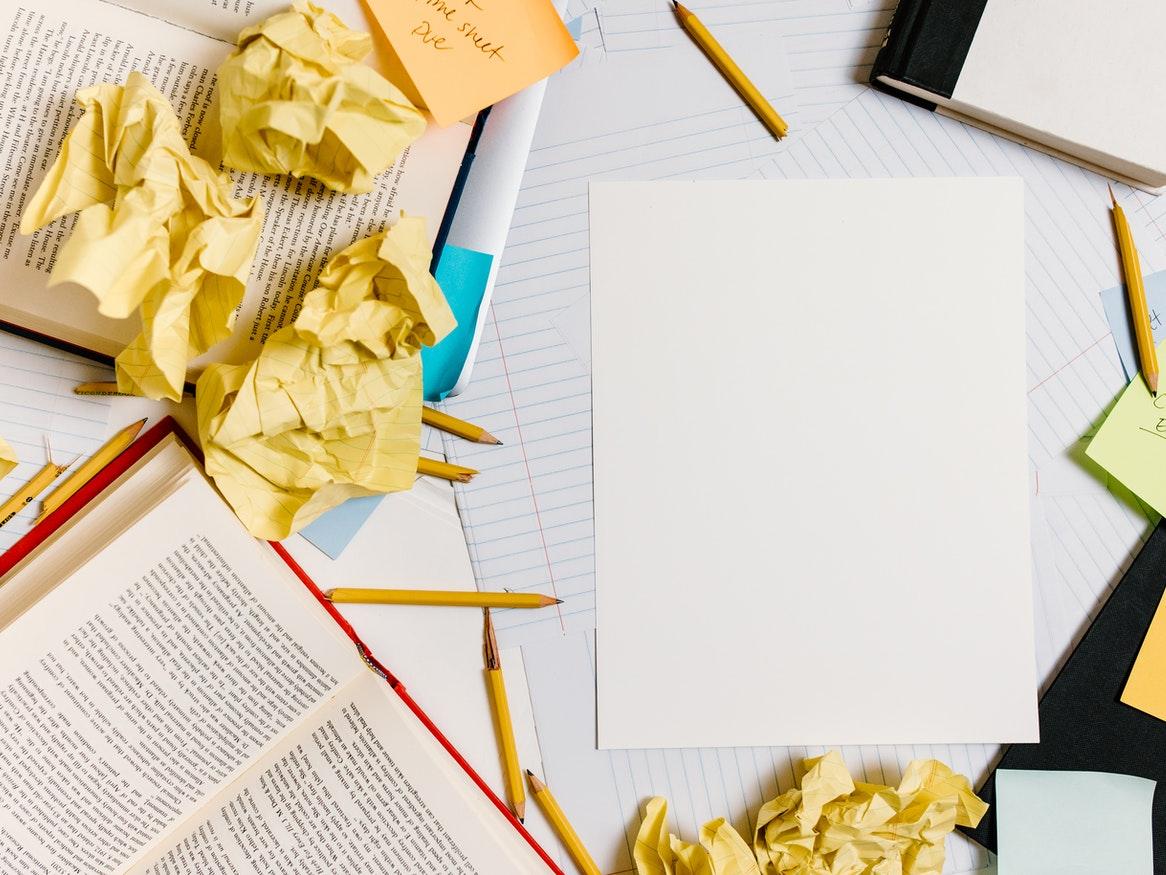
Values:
[(811, 476)]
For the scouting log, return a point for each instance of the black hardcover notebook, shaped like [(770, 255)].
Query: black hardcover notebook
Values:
[(1083, 724), (1074, 78)]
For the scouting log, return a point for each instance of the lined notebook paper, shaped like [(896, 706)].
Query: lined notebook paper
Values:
[(830, 44), (37, 400)]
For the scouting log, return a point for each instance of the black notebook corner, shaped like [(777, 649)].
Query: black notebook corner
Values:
[(1083, 724), (926, 46)]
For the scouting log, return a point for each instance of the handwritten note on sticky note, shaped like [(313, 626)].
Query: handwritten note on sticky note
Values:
[(1146, 687), (463, 55), (1131, 443)]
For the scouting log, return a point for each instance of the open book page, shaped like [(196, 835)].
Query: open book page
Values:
[(139, 490), (358, 788), (148, 681), (49, 50), (223, 21)]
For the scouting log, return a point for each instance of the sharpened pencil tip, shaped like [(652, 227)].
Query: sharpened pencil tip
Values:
[(558, 601), (529, 772), (1112, 199)]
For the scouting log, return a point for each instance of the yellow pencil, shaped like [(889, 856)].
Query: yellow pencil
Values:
[(459, 427), (102, 388), (729, 69), (562, 826), (502, 726), (436, 468), (1131, 268), (30, 490), (447, 598), (109, 451)]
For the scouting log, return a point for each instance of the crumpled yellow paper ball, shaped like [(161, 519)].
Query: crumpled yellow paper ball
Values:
[(721, 851), (158, 228), (331, 408), (836, 826), (831, 825), (294, 98), (8, 459)]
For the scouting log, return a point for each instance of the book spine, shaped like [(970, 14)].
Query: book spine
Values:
[(926, 45)]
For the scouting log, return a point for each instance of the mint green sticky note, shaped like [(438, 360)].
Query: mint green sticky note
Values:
[(1073, 823)]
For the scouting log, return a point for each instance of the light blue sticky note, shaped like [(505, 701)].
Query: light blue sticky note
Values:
[(1073, 823), (1117, 313), (575, 27), (330, 532), (462, 274)]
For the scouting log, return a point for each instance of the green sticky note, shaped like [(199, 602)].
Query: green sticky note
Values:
[(1131, 443), (1073, 823)]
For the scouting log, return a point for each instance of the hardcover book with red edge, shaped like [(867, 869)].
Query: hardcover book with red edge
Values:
[(237, 718)]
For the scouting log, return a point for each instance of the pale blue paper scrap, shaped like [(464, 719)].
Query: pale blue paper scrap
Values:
[(1117, 313), (332, 531), (1073, 823)]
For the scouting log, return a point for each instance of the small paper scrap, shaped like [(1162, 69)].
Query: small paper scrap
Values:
[(295, 98), (1115, 302), (827, 826), (8, 459), (331, 408), (460, 56), (158, 230), (1131, 443), (1073, 823), (1146, 687)]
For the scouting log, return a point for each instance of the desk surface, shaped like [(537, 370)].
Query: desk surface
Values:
[(527, 517)]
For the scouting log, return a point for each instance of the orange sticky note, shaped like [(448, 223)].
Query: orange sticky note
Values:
[(1146, 687), (460, 56)]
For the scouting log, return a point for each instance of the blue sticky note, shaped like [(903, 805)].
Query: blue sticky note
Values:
[(1117, 313), (1073, 823), (462, 275), (331, 532), (575, 27)]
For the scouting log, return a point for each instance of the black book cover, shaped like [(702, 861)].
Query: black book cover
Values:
[(926, 46), (1083, 724)]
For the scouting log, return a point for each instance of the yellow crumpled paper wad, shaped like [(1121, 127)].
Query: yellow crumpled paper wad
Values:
[(8, 459), (831, 825), (294, 98), (158, 229), (721, 851), (331, 408)]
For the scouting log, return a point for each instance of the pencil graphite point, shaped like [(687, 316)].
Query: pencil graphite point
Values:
[(1112, 199)]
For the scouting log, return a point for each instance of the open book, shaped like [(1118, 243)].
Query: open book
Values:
[(175, 699), (49, 50)]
